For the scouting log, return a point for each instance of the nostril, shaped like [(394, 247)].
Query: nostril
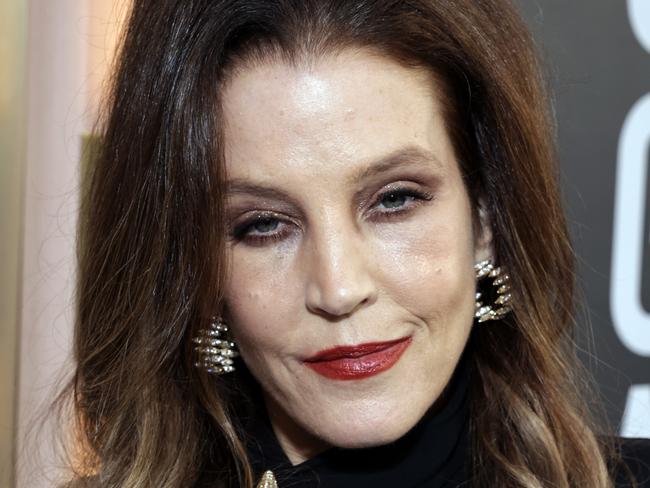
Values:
[(339, 280), (339, 303)]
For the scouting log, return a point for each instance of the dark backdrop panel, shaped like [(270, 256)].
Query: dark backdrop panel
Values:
[(597, 54)]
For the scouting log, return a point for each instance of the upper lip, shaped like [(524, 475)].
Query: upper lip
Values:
[(354, 351)]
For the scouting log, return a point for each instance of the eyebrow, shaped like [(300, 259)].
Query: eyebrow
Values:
[(406, 156), (398, 159)]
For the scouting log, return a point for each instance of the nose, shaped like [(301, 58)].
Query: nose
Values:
[(340, 278)]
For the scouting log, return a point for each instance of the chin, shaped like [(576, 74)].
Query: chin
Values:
[(351, 431), (365, 437), (369, 439)]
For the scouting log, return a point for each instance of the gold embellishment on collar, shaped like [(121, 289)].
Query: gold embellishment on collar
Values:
[(267, 480)]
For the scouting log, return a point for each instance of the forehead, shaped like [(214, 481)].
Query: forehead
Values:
[(339, 110)]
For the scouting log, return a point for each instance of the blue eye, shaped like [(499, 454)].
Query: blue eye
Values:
[(397, 199), (265, 224), (394, 199), (256, 228), (263, 228)]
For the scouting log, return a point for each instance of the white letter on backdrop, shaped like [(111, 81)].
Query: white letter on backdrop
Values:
[(631, 321)]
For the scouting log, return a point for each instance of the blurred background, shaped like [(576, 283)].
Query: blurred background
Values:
[(54, 56)]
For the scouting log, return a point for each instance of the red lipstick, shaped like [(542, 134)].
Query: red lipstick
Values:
[(360, 361)]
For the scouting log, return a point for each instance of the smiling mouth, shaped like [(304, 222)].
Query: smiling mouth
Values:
[(360, 361)]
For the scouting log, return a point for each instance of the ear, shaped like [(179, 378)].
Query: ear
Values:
[(483, 244)]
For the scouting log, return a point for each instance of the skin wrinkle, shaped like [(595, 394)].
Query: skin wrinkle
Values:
[(395, 161), (342, 274)]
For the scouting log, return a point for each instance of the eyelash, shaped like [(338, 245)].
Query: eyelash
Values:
[(240, 232)]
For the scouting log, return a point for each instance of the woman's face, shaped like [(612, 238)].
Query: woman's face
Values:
[(351, 291)]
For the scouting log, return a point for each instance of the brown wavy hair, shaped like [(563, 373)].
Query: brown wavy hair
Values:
[(152, 241)]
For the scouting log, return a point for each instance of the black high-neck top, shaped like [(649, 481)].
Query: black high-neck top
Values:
[(432, 454)]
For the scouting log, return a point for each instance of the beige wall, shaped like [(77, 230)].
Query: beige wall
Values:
[(13, 37), (55, 119), (56, 55)]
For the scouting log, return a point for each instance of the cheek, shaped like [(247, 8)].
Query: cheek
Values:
[(428, 269), (262, 302)]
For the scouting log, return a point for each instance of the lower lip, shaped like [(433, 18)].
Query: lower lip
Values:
[(355, 368)]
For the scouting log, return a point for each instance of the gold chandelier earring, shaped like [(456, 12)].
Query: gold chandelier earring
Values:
[(500, 291), (215, 349), (267, 480)]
